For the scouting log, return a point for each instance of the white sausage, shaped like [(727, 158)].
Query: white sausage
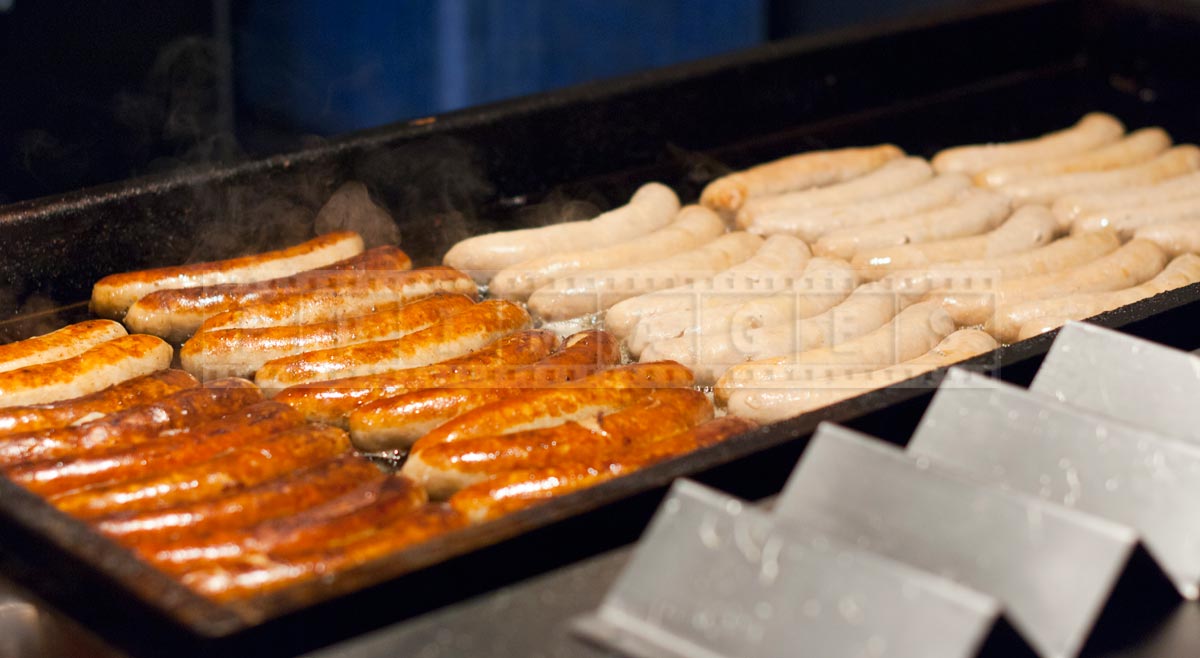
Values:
[(71, 340), (796, 172), (1012, 319), (1138, 146), (1175, 238), (895, 176), (1046, 190), (810, 225), (773, 405), (822, 285), (773, 268), (693, 227), (590, 292), (1071, 206), (1092, 131), (973, 213), (653, 206), (1125, 221), (1026, 229), (913, 332)]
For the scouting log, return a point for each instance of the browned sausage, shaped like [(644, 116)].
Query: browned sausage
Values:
[(396, 422), (101, 366), (266, 575), (290, 450), (140, 390), (131, 426), (71, 340), (176, 313), (241, 352), (333, 401), (277, 498), (517, 490), (176, 449)]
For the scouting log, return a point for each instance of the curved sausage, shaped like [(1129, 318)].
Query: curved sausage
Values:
[(101, 366), (131, 426), (114, 294), (1126, 221), (287, 451), (821, 286), (1174, 238), (1070, 207), (71, 340), (272, 499), (975, 212), (1134, 263), (458, 334), (810, 225), (174, 314), (591, 292), (1092, 131), (1175, 162), (241, 352), (771, 405), (444, 468), (147, 454), (796, 172), (349, 294), (771, 269), (1012, 318), (914, 331), (136, 391), (396, 422), (582, 400), (332, 401), (653, 206), (1026, 229), (692, 227), (895, 176), (1135, 148), (516, 490)]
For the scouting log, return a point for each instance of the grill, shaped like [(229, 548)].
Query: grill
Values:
[(1007, 70)]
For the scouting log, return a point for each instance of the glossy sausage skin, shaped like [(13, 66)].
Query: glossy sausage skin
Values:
[(333, 401), (586, 399), (104, 365), (241, 352), (168, 451), (114, 294), (290, 450), (71, 340), (137, 391), (175, 314), (397, 422), (277, 498), (131, 426), (459, 334), (516, 490)]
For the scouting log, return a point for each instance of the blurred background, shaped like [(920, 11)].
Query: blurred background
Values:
[(92, 92)]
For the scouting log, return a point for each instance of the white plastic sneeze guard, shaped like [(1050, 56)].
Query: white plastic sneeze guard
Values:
[(1128, 378), (1051, 568), (714, 578)]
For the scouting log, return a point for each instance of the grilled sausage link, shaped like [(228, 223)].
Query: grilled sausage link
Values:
[(281, 497), (443, 468), (333, 401), (290, 450), (64, 343), (582, 400), (131, 426), (176, 313), (241, 352), (459, 334), (101, 366), (140, 390), (163, 453), (516, 490), (397, 422), (347, 294), (114, 294), (1092, 131)]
